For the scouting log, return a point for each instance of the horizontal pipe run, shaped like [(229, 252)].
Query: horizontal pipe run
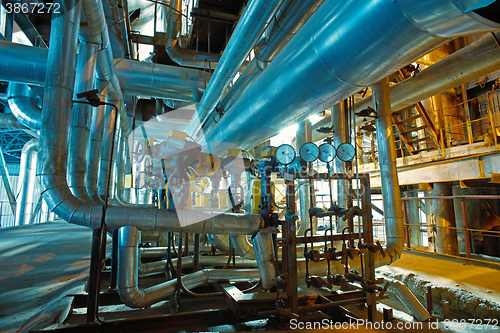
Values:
[(252, 23), (188, 262), (467, 64), (287, 21), (160, 81), (160, 252), (128, 279), (303, 82), (135, 77)]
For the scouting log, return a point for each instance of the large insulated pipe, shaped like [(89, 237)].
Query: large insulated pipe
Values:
[(474, 60), (8, 120), (242, 246), (160, 81), (79, 128), (393, 208), (95, 30), (323, 63), (251, 25), (408, 299), (95, 144), (52, 163), (289, 18), (183, 57), (27, 181), (477, 59), (136, 77), (22, 63), (264, 253), (220, 242), (105, 168), (128, 276), (123, 158), (23, 104)]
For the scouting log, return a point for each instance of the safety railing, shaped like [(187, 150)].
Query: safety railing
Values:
[(475, 120), (468, 237)]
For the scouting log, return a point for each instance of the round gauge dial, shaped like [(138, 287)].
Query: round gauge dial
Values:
[(309, 152), (326, 152), (285, 154), (346, 152)]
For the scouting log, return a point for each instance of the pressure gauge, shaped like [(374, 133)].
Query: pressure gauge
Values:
[(326, 152), (346, 152), (285, 154), (309, 152)]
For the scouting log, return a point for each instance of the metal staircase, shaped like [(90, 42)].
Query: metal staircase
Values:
[(414, 128)]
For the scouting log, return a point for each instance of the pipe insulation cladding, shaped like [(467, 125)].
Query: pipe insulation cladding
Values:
[(53, 154), (333, 56), (136, 77), (467, 64)]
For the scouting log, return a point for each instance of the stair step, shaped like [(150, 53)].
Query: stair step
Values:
[(419, 140), (413, 129), (402, 121)]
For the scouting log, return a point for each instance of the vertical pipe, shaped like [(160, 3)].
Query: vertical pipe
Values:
[(371, 298), (446, 234), (393, 210), (339, 136), (95, 144), (304, 135), (79, 128), (27, 171), (108, 134), (466, 227), (95, 269), (56, 115), (196, 252), (412, 210), (264, 252), (292, 246), (114, 260)]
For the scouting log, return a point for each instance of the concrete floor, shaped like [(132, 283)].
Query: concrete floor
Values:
[(41, 264), (482, 281)]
